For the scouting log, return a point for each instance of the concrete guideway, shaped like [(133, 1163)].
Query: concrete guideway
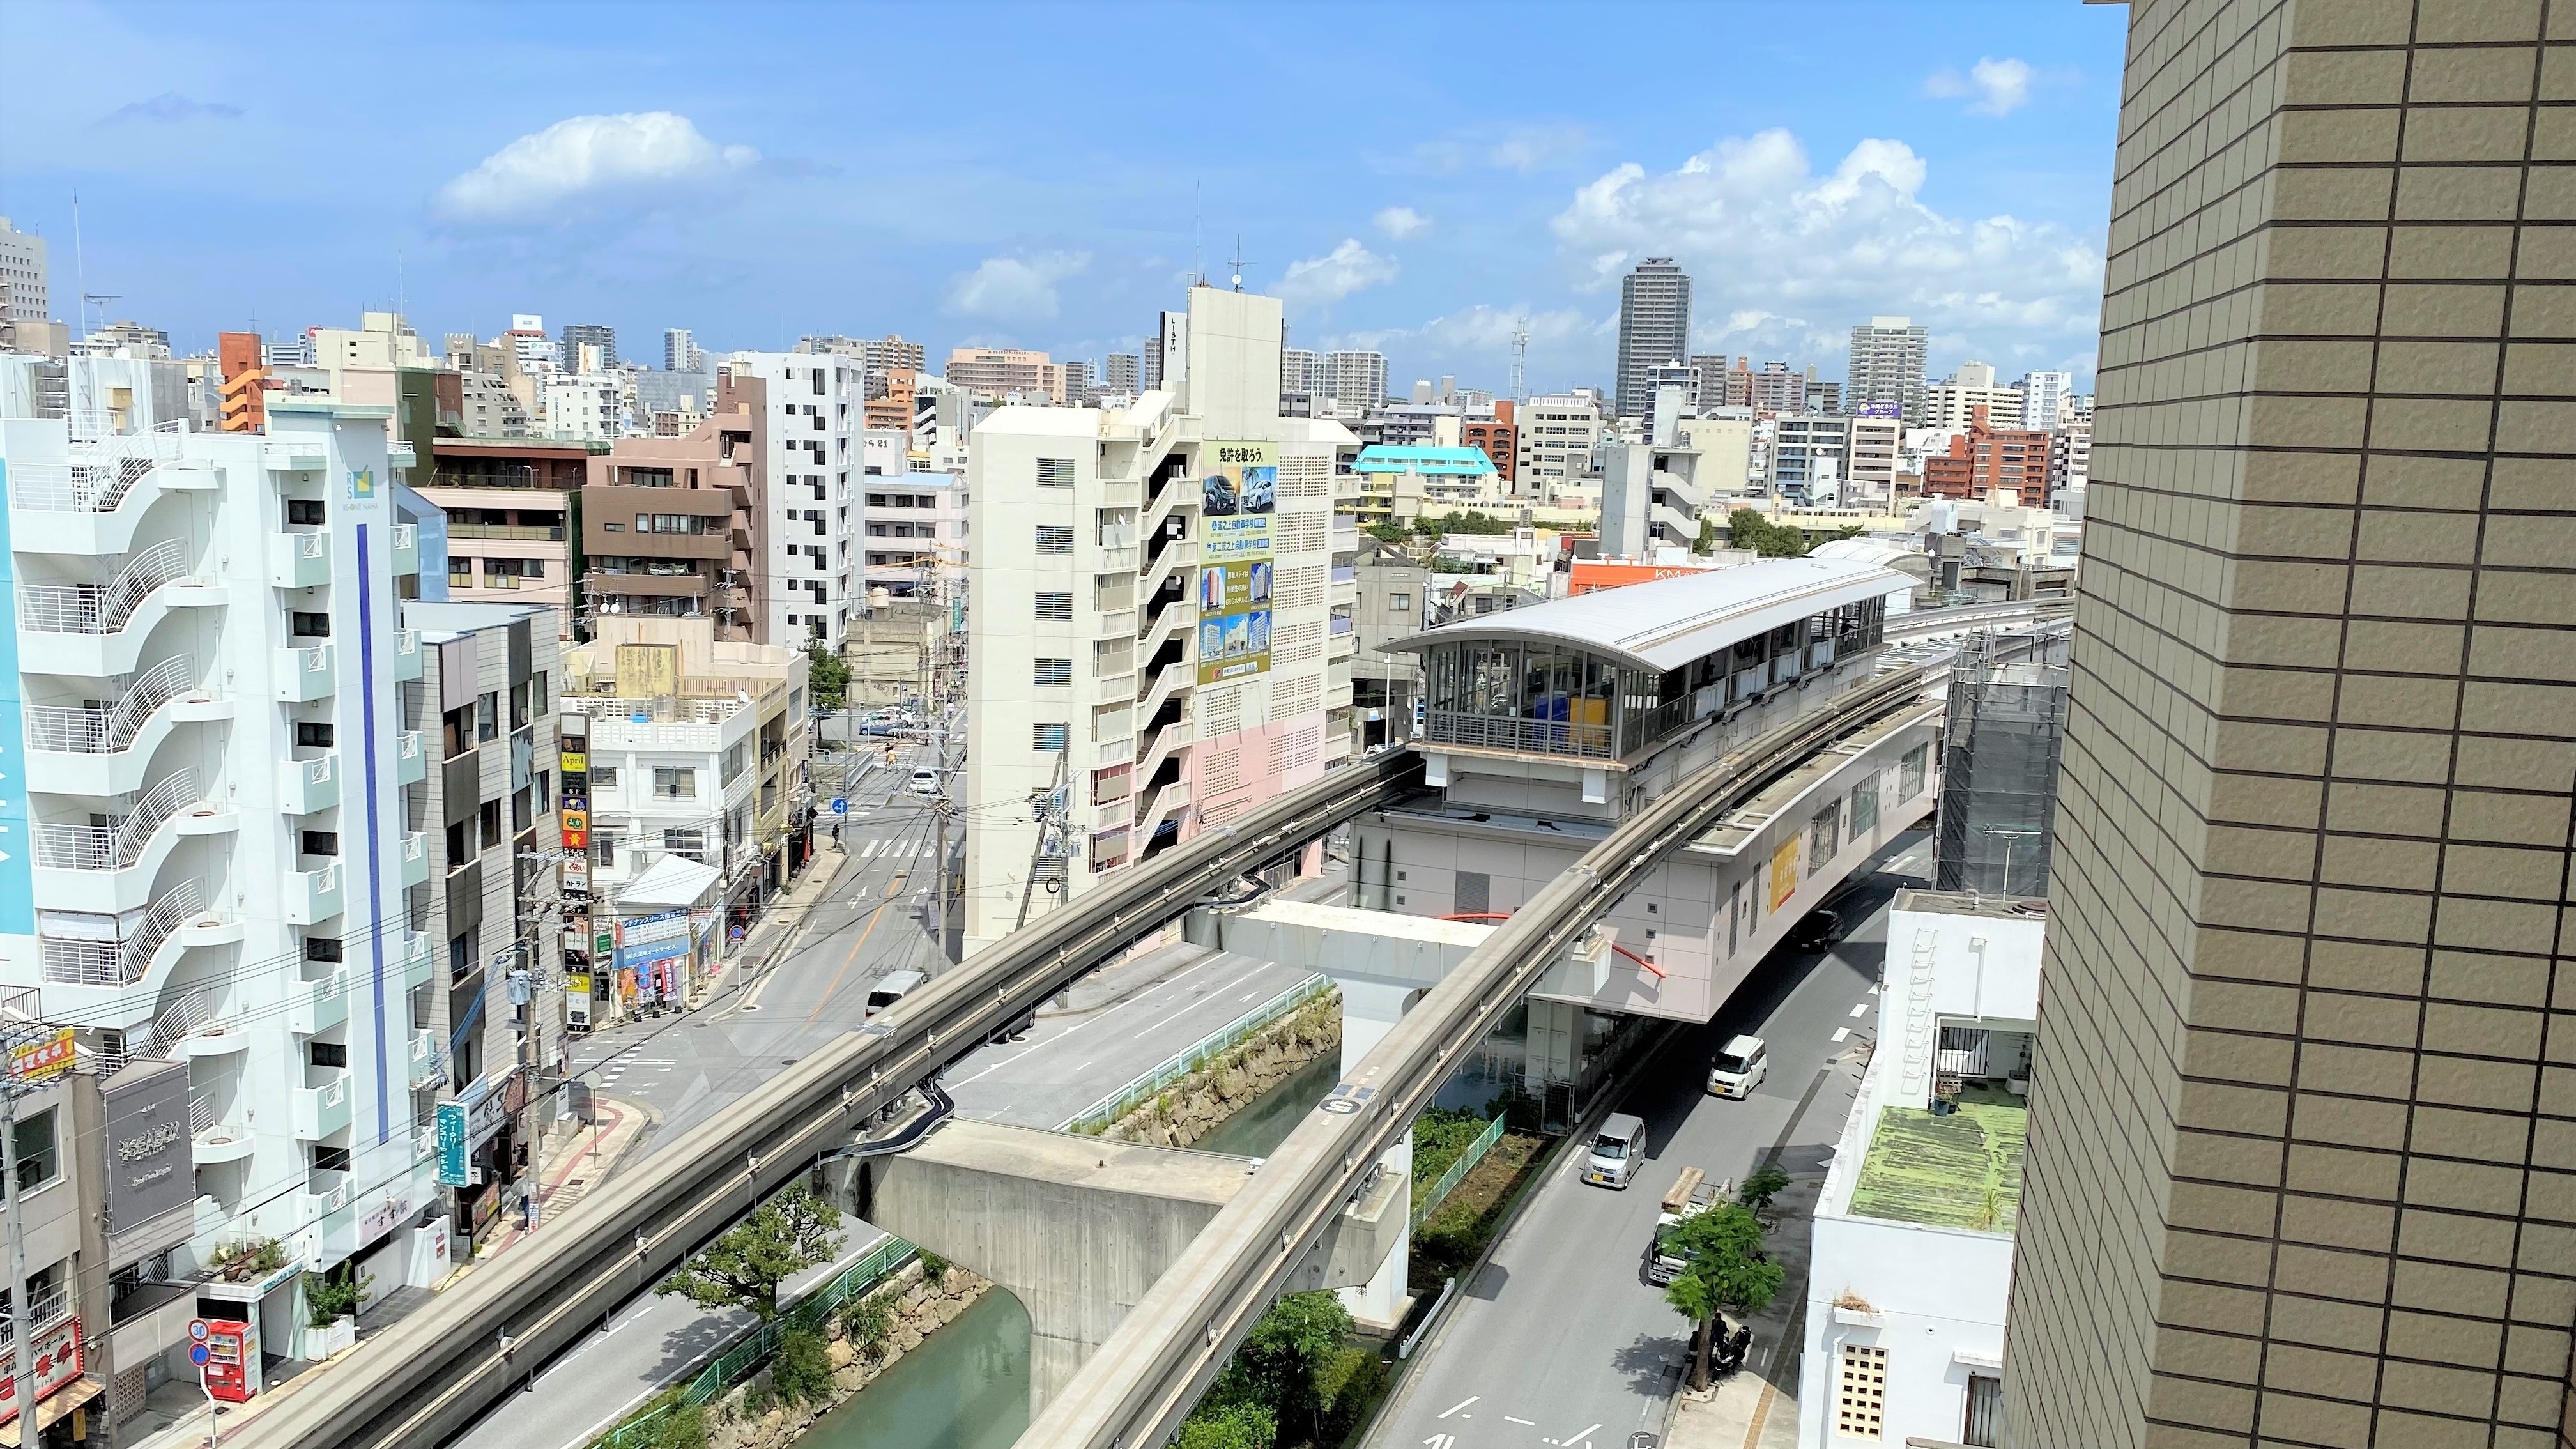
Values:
[(1145, 1380), (425, 1379)]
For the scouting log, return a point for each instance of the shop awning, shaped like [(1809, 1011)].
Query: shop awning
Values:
[(674, 882)]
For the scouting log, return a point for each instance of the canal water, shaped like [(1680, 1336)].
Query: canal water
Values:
[(1259, 1129), (966, 1387)]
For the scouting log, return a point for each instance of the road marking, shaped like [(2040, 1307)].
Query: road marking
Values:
[(871, 850), (1842, 1033), (1862, 1009), (1462, 1403), (1579, 1435), (1441, 1441), (1524, 1423), (1247, 996), (1077, 1026)]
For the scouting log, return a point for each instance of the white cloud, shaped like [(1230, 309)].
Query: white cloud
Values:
[(590, 158), (1401, 222), (1324, 280), (2000, 86), (1475, 345), (1786, 261), (1014, 289)]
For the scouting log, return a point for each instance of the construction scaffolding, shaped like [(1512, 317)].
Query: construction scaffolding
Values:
[(1999, 771)]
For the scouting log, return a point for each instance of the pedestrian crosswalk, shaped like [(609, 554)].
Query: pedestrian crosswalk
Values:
[(895, 849)]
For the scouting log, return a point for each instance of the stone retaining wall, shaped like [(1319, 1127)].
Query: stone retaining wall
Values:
[(921, 1308), (1198, 1104)]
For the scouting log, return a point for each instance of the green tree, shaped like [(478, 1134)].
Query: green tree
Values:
[(1281, 1361), (1763, 1185), (828, 681), (1706, 543), (801, 1373), (1389, 532), (870, 1323), (1228, 1424), (685, 1427), (793, 1231), (1723, 1246), (1746, 528)]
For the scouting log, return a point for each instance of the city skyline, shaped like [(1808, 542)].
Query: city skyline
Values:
[(1967, 195)]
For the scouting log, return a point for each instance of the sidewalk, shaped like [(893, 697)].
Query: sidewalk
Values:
[(573, 1162), (1744, 1413)]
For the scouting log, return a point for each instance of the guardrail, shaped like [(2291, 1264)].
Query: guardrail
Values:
[(426, 1378), (1447, 1182), (755, 1347), (1234, 1033)]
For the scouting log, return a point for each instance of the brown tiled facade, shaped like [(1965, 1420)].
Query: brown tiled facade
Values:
[(2302, 1164), (676, 527)]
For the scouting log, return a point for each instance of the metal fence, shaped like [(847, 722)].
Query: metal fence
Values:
[(1127, 1098), (1458, 1170), (754, 1348)]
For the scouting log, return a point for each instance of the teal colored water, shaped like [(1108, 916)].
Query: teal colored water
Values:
[(966, 1387), (1258, 1129)]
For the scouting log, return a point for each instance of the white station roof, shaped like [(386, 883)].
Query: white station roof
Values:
[(1666, 624)]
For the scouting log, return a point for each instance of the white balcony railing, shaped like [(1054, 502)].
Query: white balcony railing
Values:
[(100, 608), (122, 963), (114, 847), (80, 731)]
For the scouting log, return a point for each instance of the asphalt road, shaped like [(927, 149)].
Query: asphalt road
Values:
[(1560, 1342)]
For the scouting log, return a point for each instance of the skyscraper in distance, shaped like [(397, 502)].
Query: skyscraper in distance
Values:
[(1887, 365), (1654, 329), (2302, 1136)]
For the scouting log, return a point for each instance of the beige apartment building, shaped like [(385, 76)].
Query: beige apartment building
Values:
[(1001, 371), (2302, 1163)]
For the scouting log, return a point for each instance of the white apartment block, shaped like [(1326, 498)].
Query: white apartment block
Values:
[(1912, 1268), (1357, 378), (528, 343), (22, 266), (1558, 432), (1956, 398), (2070, 460), (1870, 450), (590, 407), (2045, 398), (817, 426), (1161, 630), (1888, 358), (214, 858), (1811, 457), (916, 535)]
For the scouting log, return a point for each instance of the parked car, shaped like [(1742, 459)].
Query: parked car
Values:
[(1617, 1150)]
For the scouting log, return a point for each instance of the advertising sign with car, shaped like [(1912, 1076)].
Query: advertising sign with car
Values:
[(1239, 490)]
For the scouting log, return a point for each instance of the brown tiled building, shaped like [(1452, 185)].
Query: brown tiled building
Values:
[(2014, 458), (676, 526), (1498, 438), (512, 506), (2302, 1160)]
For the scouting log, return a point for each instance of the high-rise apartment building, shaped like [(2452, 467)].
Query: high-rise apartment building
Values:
[(213, 858), (1654, 329), (1125, 374), (2298, 1167), (2044, 398), (22, 266), (1300, 370), (680, 351), (684, 527), (1558, 435), (1955, 399), (578, 335), (1159, 643), (1357, 379), (528, 343), (817, 415), (1888, 357), (1002, 371)]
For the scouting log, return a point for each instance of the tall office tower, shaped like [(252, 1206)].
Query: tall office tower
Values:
[(2043, 398), (22, 266), (1356, 378), (1125, 374), (1887, 363), (576, 336), (1654, 329), (2299, 1132), (1153, 636), (680, 351)]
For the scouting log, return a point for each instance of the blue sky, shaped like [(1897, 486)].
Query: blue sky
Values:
[(1409, 177)]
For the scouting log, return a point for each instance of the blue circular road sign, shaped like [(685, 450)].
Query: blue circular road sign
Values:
[(197, 1354), (840, 805)]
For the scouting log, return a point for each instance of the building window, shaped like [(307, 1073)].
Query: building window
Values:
[(313, 735), (487, 716), (330, 1053), (1055, 472), (675, 783), (459, 850), (1985, 1426), (460, 956), (329, 1159), (1053, 674), (456, 730), (603, 849), (321, 842), (304, 510), (1055, 538), (1861, 1399), (490, 816), (1047, 738), (38, 1163), (1399, 603), (1055, 606), (689, 843), (603, 777), (310, 624), (322, 948)]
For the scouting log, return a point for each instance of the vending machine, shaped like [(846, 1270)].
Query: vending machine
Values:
[(232, 1360)]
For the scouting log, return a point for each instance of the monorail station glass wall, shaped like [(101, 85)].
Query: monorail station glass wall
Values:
[(1535, 697)]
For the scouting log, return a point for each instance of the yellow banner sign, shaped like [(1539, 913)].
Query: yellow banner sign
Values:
[(1784, 872), (46, 1057)]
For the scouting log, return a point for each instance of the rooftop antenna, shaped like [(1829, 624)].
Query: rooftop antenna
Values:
[(1198, 232), (1520, 357), (1238, 263), (80, 275)]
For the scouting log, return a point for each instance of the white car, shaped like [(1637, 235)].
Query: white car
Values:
[(925, 781), (1738, 1068)]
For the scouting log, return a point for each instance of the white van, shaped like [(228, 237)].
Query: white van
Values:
[(925, 781), (1617, 1149), (1738, 1068), (883, 995)]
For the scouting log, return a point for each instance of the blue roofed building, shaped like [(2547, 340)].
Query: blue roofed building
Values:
[(1400, 484)]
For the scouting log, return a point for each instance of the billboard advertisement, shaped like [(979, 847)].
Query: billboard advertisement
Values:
[(1784, 872), (1880, 410), (149, 1171), (1238, 492)]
